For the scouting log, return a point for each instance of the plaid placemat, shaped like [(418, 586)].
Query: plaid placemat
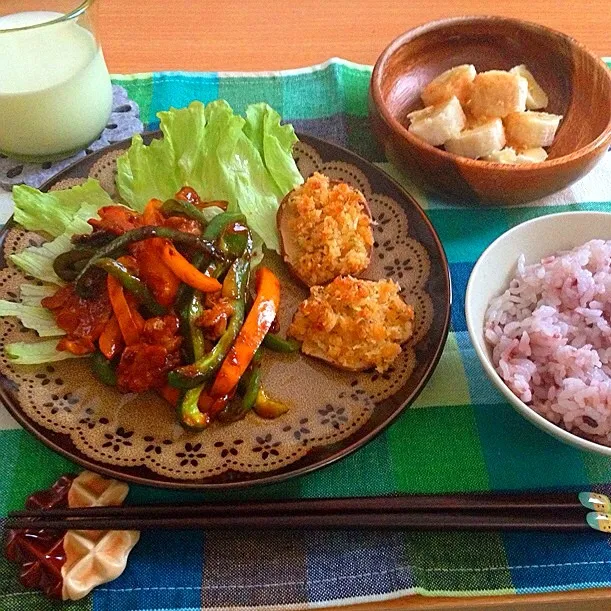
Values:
[(460, 436)]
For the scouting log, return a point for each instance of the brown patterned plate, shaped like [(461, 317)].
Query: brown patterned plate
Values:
[(332, 412)]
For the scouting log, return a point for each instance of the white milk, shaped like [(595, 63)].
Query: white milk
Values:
[(55, 92)]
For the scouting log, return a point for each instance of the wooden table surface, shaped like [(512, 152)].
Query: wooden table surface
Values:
[(149, 35)]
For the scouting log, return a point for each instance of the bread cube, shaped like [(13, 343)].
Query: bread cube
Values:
[(506, 155), (479, 141), (531, 129), (536, 155), (536, 97), (436, 124), (497, 93), (509, 155), (454, 82)]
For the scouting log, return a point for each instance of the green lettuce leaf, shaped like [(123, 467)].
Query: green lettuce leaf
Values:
[(247, 162), (61, 214), (32, 317), (37, 261), (52, 212), (33, 294), (273, 141), (22, 353)]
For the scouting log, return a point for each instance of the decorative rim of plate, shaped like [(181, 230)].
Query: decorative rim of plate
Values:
[(349, 444)]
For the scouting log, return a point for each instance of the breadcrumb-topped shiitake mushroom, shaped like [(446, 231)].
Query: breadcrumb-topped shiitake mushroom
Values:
[(325, 230), (354, 324)]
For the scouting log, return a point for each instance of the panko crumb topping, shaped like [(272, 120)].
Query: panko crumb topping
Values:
[(354, 324), (332, 230)]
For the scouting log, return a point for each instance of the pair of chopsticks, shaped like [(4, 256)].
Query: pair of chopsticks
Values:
[(524, 511)]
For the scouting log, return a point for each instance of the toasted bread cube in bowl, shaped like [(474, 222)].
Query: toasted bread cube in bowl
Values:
[(437, 124), (497, 93)]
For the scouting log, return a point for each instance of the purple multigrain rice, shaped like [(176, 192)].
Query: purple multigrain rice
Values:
[(550, 334)]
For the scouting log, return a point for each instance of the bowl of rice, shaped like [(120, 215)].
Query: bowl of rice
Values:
[(538, 311)]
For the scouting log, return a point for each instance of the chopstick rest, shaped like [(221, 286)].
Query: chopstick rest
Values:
[(68, 564)]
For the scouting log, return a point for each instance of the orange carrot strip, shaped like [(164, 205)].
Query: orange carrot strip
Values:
[(211, 406), (255, 328), (155, 273), (122, 311), (151, 214), (111, 340), (133, 308), (132, 265), (186, 272)]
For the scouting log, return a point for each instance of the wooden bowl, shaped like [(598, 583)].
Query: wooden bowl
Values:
[(577, 82)]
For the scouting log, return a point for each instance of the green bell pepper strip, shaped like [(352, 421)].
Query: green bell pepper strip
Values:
[(253, 385), (211, 233), (189, 414), (190, 376), (219, 222), (103, 369), (96, 239), (278, 344), (119, 244), (184, 208), (188, 410), (131, 283), (249, 387), (69, 264), (190, 312), (187, 304), (266, 407), (191, 332)]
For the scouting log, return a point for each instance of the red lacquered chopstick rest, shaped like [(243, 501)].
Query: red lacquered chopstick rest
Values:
[(69, 564)]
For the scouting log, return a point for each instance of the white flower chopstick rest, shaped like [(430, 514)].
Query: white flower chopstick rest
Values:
[(68, 564), (94, 557)]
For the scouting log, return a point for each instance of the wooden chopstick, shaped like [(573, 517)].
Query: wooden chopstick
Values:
[(420, 521), (541, 511), (407, 503)]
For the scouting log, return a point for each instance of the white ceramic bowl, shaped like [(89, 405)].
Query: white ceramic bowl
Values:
[(490, 277)]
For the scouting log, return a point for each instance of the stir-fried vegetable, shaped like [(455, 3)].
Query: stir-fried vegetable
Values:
[(120, 244), (111, 341), (266, 407), (189, 412), (250, 386), (175, 206), (159, 300), (257, 324), (234, 288), (164, 285), (131, 283), (103, 369), (279, 344), (186, 272), (69, 264), (129, 323)]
